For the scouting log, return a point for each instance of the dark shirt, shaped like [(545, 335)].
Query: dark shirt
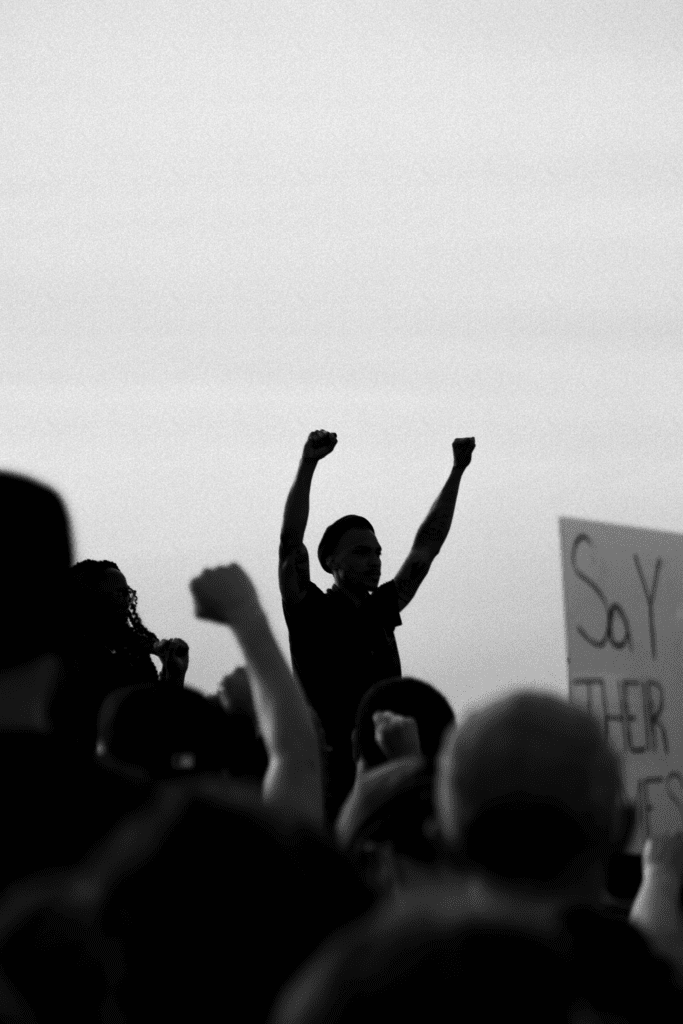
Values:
[(339, 650)]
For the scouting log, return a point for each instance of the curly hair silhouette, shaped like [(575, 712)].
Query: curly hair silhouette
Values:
[(83, 579)]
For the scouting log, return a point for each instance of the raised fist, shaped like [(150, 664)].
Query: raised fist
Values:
[(319, 444), (462, 451), (174, 655), (396, 735), (224, 594)]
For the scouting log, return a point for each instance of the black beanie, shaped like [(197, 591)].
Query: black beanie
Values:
[(334, 533)]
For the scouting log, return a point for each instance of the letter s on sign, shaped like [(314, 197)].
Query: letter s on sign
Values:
[(581, 539)]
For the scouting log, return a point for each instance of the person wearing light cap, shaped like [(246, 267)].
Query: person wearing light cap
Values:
[(342, 641)]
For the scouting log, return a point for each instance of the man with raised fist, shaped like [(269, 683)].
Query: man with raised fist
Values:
[(342, 641)]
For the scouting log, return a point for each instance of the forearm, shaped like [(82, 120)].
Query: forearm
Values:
[(283, 716), (434, 529), (293, 779), (656, 908), (656, 912), (297, 504)]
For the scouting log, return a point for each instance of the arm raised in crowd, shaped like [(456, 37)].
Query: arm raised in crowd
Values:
[(398, 738), (434, 530), (656, 910), (319, 444), (293, 781)]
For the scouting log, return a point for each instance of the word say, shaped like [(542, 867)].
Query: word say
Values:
[(617, 630)]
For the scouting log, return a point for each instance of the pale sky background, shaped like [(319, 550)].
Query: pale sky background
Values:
[(228, 224)]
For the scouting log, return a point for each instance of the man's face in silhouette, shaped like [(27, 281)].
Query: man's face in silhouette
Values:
[(356, 561)]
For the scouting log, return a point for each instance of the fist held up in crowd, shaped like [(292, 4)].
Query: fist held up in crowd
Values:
[(396, 735), (224, 594), (174, 655), (319, 444), (462, 451)]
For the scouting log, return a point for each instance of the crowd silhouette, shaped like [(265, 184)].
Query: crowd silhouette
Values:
[(316, 844)]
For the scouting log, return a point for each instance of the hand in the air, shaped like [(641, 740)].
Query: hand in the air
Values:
[(462, 451), (319, 444), (224, 594), (175, 656), (396, 735)]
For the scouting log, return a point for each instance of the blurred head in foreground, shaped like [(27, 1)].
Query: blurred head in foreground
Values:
[(529, 792), (36, 556)]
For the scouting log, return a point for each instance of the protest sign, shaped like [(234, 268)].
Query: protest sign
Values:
[(623, 596)]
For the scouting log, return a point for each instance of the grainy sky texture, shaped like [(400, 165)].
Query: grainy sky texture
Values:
[(225, 225)]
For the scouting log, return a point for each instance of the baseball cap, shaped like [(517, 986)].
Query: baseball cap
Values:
[(164, 731)]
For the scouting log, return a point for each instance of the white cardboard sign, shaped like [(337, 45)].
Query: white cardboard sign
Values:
[(623, 596)]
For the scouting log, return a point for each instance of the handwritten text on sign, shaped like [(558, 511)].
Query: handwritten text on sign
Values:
[(623, 607)]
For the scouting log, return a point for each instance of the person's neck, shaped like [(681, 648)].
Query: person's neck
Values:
[(25, 691), (355, 594)]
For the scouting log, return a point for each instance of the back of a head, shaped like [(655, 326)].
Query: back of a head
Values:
[(37, 553), (405, 696), (529, 790), (166, 731)]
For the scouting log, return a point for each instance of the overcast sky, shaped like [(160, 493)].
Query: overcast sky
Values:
[(228, 224)]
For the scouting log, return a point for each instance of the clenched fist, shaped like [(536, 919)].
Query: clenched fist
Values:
[(175, 657), (462, 451), (225, 594), (319, 444), (396, 735)]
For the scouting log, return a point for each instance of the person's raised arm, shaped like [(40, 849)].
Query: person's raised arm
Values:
[(319, 444), (656, 910), (434, 530), (293, 780)]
